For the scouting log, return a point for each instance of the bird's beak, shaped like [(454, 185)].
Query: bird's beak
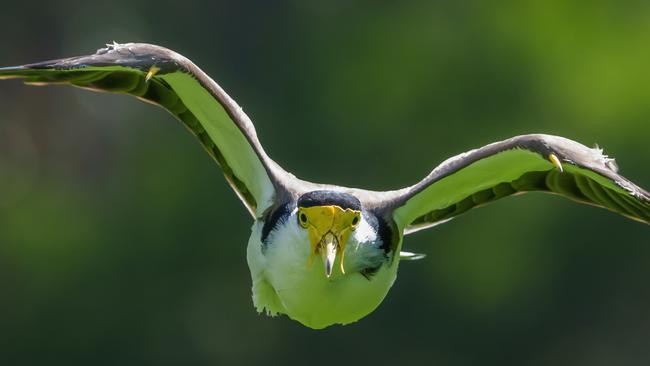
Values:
[(329, 228), (328, 249)]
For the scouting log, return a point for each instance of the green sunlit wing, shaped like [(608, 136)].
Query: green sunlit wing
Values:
[(520, 164), (160, 76)]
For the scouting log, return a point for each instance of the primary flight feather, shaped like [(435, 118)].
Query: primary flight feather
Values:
[(324, 254)]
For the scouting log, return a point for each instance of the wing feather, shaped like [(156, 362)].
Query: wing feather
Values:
[(160, 76), (517, 165)]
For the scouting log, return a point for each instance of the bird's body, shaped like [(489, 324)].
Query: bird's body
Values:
[(325, 254), (284, 284)]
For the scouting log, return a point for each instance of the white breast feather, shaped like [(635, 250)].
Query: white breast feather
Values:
[(283, 282)]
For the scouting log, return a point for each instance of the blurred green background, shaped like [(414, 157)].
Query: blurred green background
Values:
[(120, 242)]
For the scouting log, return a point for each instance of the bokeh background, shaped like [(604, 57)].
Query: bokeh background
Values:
[(121, 244)]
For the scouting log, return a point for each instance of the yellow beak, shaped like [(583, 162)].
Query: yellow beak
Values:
[(328, 249), (329, 228)]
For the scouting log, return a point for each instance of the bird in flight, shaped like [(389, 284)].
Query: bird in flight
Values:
[(324, 254)]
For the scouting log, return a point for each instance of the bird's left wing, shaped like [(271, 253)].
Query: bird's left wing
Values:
[(521, 164), (160, 76)]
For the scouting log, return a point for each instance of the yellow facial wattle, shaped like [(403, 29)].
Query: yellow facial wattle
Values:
[(329, 228)]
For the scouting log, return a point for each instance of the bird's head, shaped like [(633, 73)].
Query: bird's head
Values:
[(330, 218)]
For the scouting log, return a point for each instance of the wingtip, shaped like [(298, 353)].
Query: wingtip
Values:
[(11, 72), (12, 68)]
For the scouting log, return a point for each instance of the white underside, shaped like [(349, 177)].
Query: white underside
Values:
[(284, 284)]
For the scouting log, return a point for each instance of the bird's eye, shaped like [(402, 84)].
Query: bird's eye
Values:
[(303, 219), (355, 221)]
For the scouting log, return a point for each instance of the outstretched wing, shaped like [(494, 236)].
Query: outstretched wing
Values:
[(165, 78), (521, 164)]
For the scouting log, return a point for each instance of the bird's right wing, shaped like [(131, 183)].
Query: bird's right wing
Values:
[(160, 76), (521, 164)]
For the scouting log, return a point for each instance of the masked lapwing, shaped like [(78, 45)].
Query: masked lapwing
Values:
[(325, 254)]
